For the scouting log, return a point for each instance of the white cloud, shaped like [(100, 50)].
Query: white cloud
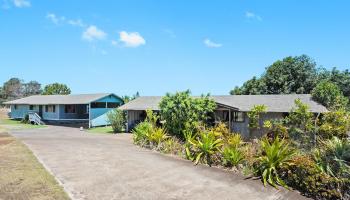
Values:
[(211, 44), (131, 39), (253, 16), (55, 19), (21, 3), (77, 22), (93, 33)]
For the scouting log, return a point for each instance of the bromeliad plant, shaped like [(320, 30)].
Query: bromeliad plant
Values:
[(206, 145), (232, 156), (275, 155)]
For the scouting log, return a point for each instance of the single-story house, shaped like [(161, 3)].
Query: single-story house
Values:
[(83, 108), (231, 109)]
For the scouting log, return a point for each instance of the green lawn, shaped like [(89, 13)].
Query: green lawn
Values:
[(102, 129), (16, 124)]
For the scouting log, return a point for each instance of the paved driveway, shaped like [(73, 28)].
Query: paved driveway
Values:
[(92, 166)]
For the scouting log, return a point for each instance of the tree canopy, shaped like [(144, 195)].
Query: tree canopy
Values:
[(295, 75), (56, 88)]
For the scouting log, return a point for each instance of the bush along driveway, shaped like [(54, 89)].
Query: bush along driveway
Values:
[(103, 166)]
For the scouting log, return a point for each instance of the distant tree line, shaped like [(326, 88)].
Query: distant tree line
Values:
[(300, 75), (16, 88)]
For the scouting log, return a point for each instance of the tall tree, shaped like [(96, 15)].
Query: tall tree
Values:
[(32, 88), (12, 89), (289, 75), (329, 94), (56, 88)]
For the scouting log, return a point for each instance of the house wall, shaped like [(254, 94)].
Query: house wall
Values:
[(21, 111), (98, 116), (50, 115), (135, 117), (243, 129)]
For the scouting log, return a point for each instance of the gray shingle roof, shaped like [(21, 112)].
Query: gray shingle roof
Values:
[(59, 99), (274, 103)]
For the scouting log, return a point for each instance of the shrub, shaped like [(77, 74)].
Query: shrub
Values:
[(335, 123), (329, 94), (333, 157), (232, 156), (221, 129), (274, 156), (141, 132), (190, 138), (181, 110), (117, 120), (206, 146), (172, 146), (234, 140), (303, 174)]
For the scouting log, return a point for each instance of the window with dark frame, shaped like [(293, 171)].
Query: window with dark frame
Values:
[(50, 108), (113, 105), (69, 109), (237, 116), (31, 107), (15, 107), (98, 105)]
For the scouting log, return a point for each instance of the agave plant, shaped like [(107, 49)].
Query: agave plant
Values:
[(141, 132), (157, 136), (333, 157), (206, 145), (275, 155), (232, 156)]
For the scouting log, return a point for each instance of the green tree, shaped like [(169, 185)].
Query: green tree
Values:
[(289, 75), (181, 111), (329, 94), (127, 98), (340, 78), (56, 88)]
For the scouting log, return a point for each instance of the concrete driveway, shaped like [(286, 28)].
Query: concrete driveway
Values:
[(95, 166)]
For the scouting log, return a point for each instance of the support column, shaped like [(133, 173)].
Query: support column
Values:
[(229, 120), (89, 115)]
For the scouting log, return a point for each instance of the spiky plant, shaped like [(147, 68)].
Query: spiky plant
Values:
[(274, 155), (206, 145), (232, 156)]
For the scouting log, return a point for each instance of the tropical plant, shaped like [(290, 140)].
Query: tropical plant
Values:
[(232, 156), (172, 146), (333, 157), (156, 136), (141, 133), (254, 117), (329, 94), (181, 110), (117, 120), (206, 145), (190, 138), (335, 123), (234, 140), (274, 156)]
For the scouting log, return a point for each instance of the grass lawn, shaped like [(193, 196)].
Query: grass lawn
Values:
[(22, 176), (16, 124), (102, 129)]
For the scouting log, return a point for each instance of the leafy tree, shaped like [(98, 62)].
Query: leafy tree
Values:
[(181, 111), (32, 88), (12, 89), (329, 95), (117, 120), (56, 88), (335, 123), (340, 78), (127, 98), (290, 75)]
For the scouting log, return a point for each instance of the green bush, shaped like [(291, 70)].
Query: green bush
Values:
[(156, 136), (181, 111), (172, 146), (303, 174), (274, 155), (117, 120)]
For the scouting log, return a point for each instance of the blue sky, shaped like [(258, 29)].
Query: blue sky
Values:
[(153, 46)]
